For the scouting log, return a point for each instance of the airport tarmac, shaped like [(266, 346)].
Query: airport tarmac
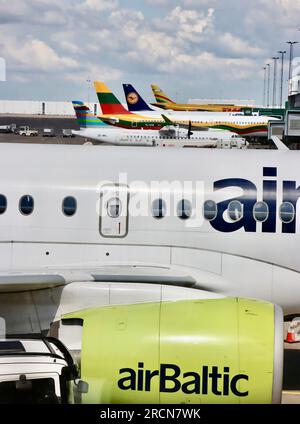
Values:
[(37, 122), (40, 122), (59, 139)]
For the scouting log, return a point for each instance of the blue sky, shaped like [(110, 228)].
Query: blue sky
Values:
[(191, 48)]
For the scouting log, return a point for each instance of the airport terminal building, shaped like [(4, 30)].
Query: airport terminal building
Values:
[(36, 107)]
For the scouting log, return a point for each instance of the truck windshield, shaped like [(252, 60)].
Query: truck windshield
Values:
[(34, 391)]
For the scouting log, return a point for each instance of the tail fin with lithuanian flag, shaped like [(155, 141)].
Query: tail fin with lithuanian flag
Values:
[(159, 95), (110, 105), (85, 117)]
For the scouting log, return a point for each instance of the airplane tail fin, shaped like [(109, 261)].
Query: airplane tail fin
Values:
[(85, 117), (110, 105), (135, 102), (159, 95)]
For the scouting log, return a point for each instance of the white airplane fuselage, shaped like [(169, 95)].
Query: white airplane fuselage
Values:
[(244, 125), (239, 255), (124, 137)]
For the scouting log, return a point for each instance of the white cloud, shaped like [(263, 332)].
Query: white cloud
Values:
[(159, 2), (213, 41), (169, 49), (238, 45), (103, 39), (190, 20), (69, 46), (54, 18), (99, 5), (16, 8), (201, 3), (95, 73), (66, 40), (204, 63), (274, 14), (36, 55), (42, 56), (287, 9), (190, 24)]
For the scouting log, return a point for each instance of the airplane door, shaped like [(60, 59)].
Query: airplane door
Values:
[(114, 199)]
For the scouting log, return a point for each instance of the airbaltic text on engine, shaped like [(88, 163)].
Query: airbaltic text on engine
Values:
[(211, 380)]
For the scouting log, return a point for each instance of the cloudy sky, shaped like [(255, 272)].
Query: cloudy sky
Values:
[(192, 48)]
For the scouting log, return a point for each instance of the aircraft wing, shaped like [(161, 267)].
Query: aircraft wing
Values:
[(29, 281), (41, 279), (188, 126), (109, 119)]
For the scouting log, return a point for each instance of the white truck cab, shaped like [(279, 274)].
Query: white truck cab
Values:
[(35, 371), (26, 131)]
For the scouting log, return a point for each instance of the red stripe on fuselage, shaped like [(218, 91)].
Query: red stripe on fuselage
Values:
[(251, 131), (165, 98), (114, 109)]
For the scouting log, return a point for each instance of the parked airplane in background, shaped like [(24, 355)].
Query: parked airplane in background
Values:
[(169, 136), (135, 103), (164, 102), (114, 113)]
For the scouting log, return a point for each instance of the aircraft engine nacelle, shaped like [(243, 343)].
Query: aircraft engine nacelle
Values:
[(226, 350)]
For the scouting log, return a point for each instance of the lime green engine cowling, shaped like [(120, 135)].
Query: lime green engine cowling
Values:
[(226, 350)]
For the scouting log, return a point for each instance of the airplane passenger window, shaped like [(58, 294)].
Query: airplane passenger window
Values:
[(235, 210), (210, 210), (69, 206), (287, 212), (184, 209), (26, 205), (261, 211), (158, 208), (114, 207), (3, 203)]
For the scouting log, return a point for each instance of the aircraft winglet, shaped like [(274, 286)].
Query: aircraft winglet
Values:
[(167, 120)]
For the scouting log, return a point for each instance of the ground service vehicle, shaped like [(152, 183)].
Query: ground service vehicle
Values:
[(8, 128), (48, 132), (35, 371), (67, 133), (26, 131)]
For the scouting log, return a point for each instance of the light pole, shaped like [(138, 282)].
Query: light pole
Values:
[(275, 79), (264, 91), (268, 84), (282, 52), (291, 43), (88, 89)]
